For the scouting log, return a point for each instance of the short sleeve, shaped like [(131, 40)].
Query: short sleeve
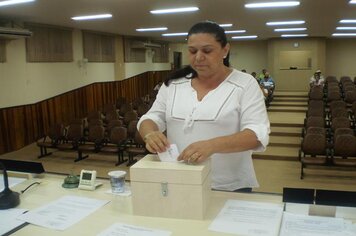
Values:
[(254, 115)]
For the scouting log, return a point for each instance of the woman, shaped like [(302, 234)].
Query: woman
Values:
[(210, 111)]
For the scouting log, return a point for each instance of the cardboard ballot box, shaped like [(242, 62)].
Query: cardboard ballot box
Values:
[(170, 189)]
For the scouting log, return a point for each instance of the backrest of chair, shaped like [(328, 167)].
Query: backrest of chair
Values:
[(339, 112), (345, 78), (114, 123), (316, 93), (340, 122), (330, 78), (109, 108), (142, 109), (56, 131), (120, 101), (345, 145), (131, 129), (75, 132), (93, 115), (316, 130), (316, 111), (130, 116), (350, 96), (94, 122), (337, 104), (314, 144), (112, 115), (315, 121), (340, 131), (96, 133), (118, 135), (316, 104), (333, 95), (125, 108)]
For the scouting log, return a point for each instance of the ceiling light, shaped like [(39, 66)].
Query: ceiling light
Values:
[(92, 17), (245, 37), (272, 4), (293, 35), (225, 25), (346, 28), (290, 29), (174, 10), (12, 2), (295, 22), (234, 31), (352, 2), (175, 34), (344, 34), (152, 29), (348, 21)]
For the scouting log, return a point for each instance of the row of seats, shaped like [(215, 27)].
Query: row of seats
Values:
[(109, 130), (329, 127)]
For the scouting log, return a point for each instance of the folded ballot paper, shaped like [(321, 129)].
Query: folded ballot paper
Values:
[(170, 155)]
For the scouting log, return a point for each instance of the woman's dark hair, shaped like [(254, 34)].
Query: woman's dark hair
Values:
[(206, 27)]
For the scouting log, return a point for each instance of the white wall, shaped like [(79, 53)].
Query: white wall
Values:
[(25, 83), (132, 69), (341, 57), (248, 55)]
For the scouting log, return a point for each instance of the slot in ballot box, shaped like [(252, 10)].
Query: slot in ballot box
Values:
[(170, 189)]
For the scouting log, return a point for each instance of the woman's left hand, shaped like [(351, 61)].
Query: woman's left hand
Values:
[(196, 152)]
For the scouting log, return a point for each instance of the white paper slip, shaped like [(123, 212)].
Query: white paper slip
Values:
[(301, 225), (132, 230), (248, 218), (63, 212), (8, 220), (170, 155)]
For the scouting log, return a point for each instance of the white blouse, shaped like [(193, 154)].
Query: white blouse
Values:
[(235, 105)]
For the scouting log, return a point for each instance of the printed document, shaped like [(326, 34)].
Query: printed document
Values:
[(248, 218), (63, 212), (302, 225), (9, 221), (132, 230)]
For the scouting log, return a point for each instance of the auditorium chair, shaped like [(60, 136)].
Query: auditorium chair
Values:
[(116, 143), (51, 139), (92, 143), (313, 151)]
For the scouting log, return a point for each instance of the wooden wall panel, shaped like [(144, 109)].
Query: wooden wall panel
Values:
[(22, 125)]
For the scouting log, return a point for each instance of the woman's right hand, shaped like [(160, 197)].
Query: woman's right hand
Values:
[(156, 142)]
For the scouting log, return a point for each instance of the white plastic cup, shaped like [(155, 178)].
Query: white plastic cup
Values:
[(117, 181)]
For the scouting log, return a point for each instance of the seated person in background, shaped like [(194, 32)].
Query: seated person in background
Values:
[(267, 82), (317, 79), (262, 76)]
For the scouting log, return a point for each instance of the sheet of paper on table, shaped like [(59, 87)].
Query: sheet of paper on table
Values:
[(248, 218), (62, 213), (9, 221), (305, 225), (132, 230)]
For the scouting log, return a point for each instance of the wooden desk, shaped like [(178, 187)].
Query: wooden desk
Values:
[(119, 209)]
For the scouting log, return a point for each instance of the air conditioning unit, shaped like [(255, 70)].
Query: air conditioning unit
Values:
[(14, 33), (144, 45)]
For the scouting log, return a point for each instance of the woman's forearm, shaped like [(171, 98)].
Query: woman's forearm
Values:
[(238, 142)]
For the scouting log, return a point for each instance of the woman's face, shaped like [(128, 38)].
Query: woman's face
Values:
[(206, 54)]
